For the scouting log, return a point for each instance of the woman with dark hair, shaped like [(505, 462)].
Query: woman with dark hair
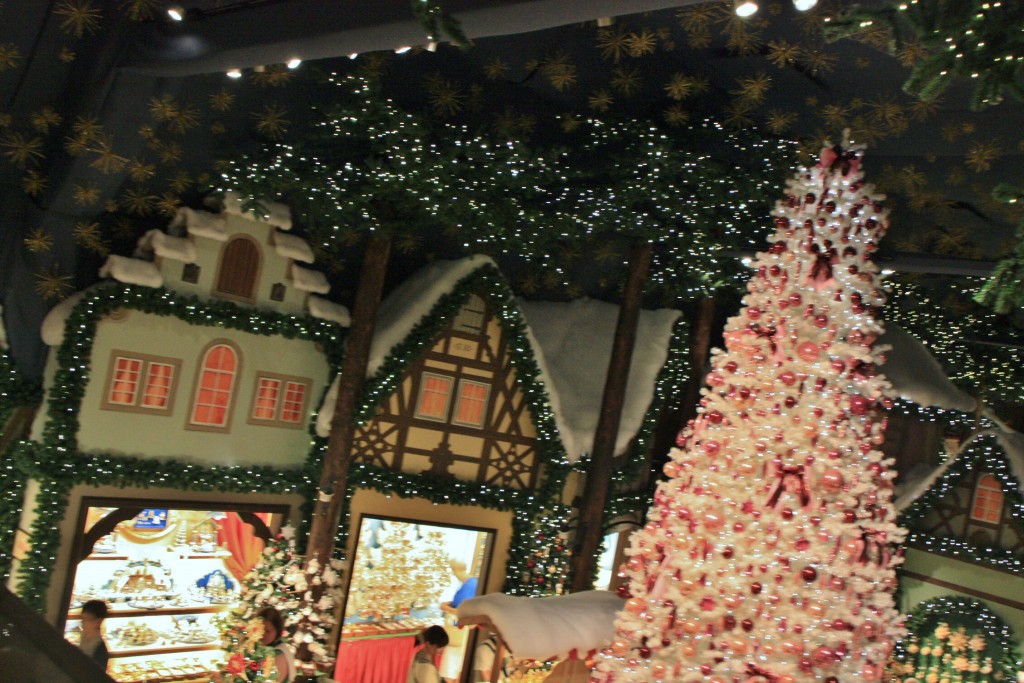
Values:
[(423, 669), (273, 630)]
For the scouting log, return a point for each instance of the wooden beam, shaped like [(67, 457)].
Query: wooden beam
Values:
[(595, 492), (334, 477)]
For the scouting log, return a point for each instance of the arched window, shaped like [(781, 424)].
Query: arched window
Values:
[(239, 268), (211, 406), (988, 500)]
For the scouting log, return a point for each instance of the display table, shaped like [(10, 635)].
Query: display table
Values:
[(376, 659)]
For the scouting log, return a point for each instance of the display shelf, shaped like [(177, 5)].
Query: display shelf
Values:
[(163, 650), (168, 611)]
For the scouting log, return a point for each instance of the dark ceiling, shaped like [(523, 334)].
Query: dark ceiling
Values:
[(112, 115)]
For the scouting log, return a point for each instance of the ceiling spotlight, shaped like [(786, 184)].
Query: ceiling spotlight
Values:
[(431, 46), (353, 55), (176, 12), (402, 50), (294, 62), (745, 8), (804, 5), (235, 73)]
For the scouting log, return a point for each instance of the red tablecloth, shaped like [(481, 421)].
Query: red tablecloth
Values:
[(375, 660)]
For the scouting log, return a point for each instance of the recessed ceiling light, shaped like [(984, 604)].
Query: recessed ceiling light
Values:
[(402, 50), (176, 12), (294, 62), (804, 5), (745, 8), (235, 73)]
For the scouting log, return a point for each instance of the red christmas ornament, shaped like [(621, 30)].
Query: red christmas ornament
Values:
[(808, 574)]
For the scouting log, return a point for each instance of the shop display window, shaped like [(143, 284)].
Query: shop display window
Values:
[(406, 576), (167, 571)]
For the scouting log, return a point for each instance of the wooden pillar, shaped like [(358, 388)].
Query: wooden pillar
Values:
[(700, 347), (595, 492), (334, 477)]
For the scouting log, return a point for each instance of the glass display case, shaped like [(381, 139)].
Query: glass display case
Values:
[(166, 574)]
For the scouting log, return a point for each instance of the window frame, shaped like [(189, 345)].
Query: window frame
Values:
[(254, 284), (448, 397), (140, 390), (277, 421), (463, 381), (981, 488), (229, 408)]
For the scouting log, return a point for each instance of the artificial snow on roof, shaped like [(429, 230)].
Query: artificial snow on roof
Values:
[(412, 300), (549, 628), (52, 330), (576, 342), (917, 376), (163, 245), (280, 215), (132, 271), (309, 280), (328, 310), (199, 223), (290, 246)]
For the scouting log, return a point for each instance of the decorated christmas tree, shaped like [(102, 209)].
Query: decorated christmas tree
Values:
[(767, 554), (305, 593)]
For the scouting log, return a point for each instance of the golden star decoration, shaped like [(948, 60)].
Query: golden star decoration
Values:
[(408, 243), (951, 240), (124, 228), (271, 121), (34, 183), (9, 56), (88, 236), (222, 100), (86, 127), (753, 89), (6, 120), (834, 115), (956, 176), (446, 99), (778, 121), (168, 204), (38, 241), (699, 17), (819, 62), (600, 100), (740, 38), (782, 53), (163, 108), (137, 201), (85, 195), (676, 115), (184, 119), (181, 181), (980, 156), (78, 17), (559, 71), (20, 149), (737, 114), (495, 69), (570, 123), (139, 10), (111, 206), (272, 76), (44, 119), (626, 80), (612, 42), (912, 179), (140, 171), (66, 55), (52, 285), (170, 152), (107, 160), (643, 43)]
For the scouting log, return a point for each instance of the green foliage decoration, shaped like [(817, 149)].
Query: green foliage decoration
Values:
[(977, 40), (1004, 291), (15, 391)]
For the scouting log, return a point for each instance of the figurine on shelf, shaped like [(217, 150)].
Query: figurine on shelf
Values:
[(92, 643)]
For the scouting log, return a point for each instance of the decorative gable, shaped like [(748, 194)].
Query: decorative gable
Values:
[(458, 410), (974, 510)]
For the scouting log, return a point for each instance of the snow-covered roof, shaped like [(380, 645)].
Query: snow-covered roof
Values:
[(165, 246), (309, 280), (328, 310), (917, 376), (280, 215), (132, 271), (199, 223), (52, 330), (548, 628), (575, 340), (565, 356), (293, 247), (412, 300)]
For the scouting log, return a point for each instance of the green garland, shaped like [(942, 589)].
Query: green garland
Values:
[(15, 391), (56, 463), (977, 40), (982, 455), (437, 23), (1004, 291), (973, 616)]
